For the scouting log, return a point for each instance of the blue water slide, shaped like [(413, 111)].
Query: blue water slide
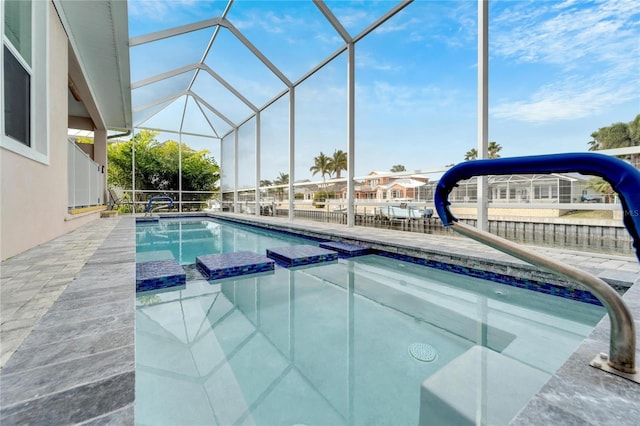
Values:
[(623, 177)]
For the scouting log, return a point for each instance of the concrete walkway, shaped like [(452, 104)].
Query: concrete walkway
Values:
[(68, 309)]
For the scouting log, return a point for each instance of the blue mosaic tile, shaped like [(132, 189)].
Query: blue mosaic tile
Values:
[(524, 283), (159, 274), (291, 256), (226, 265), (147, 219), (345, 250), (570, 293)]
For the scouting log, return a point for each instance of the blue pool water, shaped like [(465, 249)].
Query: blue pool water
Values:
[(186, 239), (339, 343)]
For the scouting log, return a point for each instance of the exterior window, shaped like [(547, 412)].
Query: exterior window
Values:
[(24, 128), (17, 72), (17, 100), (17, 26), (537, 192)]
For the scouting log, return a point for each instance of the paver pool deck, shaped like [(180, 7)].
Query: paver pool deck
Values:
[(67, 334)]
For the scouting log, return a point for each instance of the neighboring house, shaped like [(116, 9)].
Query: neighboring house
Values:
[(378, 186), (405, 188), (65, 65), (554, 188)]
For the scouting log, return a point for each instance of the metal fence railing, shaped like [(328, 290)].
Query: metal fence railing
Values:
[(183, 201)]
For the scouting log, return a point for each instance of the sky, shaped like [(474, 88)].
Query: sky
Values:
[(558, 71)]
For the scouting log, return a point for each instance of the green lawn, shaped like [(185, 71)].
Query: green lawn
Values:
[(590, 214)]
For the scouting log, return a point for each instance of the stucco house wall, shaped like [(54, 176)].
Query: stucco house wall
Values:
[(34, 195)]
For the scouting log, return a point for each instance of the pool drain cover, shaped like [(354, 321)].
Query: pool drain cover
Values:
[(423, 352)]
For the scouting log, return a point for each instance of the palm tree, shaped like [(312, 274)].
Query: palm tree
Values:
[(603, 187), (594, 145), (338, 162), (493, 150), (472, 154), (398, 168), (322, 165), (282, 179)]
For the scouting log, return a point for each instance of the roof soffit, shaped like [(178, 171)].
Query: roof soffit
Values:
[(98, 36)]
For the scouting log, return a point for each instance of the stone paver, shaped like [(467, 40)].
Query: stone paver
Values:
[(68, 328), (27, 278)]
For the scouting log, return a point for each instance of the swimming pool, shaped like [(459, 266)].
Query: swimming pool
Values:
[(366, 340)]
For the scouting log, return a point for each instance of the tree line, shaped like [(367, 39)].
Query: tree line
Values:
[(617, 135), (157, 165)]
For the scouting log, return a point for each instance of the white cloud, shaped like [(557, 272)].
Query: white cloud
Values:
[(287, 26), (332, 39), (393, 26), (350, 17), (367, 61), (568, 99), (159, 10), (590, 54), (550, 35), (452, 24), (401, 100)]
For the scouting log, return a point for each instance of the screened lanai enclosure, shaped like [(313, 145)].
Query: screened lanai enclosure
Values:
[(287, 108), (280, 116)]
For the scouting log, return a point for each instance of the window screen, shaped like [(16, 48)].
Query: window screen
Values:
[(17, 99)]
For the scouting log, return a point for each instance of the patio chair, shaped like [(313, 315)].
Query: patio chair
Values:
[(117, 200)]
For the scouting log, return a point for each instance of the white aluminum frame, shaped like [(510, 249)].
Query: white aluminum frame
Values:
[(348, 47)]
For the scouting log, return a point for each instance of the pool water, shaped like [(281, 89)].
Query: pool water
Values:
[(184, 240), (365, 341)]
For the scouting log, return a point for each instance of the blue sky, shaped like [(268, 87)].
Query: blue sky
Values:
[(559, 70)]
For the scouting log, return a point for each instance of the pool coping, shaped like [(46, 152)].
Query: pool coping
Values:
[(575, 394), (475, 255)]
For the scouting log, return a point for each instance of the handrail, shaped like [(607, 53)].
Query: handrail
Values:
[(624, 179), (152, 199)]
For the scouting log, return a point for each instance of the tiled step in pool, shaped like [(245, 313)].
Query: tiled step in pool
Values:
[(157, 274), (299, 255), (345, 249), (226, 265)]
